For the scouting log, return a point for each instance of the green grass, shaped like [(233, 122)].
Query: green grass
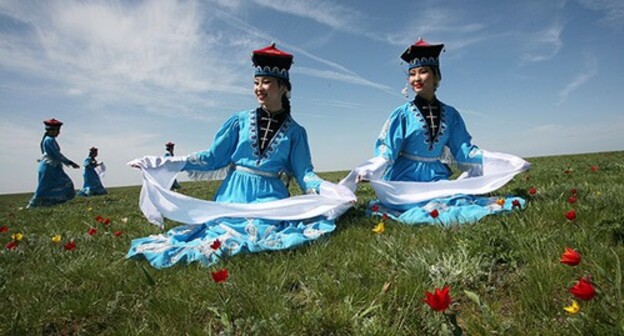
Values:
[(334, 286)]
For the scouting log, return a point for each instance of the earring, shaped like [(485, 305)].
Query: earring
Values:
[(405, 92)]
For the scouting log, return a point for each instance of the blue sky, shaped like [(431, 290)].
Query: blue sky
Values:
[(531, 78)]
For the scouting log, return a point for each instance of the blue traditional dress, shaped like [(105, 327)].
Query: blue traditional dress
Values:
[(54, 186), (175, 185), (418, 146), (92, 182), (253, 176)]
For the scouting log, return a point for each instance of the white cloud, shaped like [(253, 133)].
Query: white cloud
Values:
[(613, 9), (544, 45), (331, 14), (591, 69)]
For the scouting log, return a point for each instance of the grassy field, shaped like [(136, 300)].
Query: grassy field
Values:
[(504, 272)]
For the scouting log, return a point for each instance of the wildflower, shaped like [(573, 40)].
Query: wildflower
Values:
[(570, 215), (573, 308), (379, 228), (4, 229), (375, 208), (532, 191), (99, 218), (434, 213), (70, 246), (570, 257), (92, 231), (12, 245), (573, 191), (56, 238), (384, 217), (439, 300), (500, 201), (106, 221), (572, 199), (17, 236), (568, 171), (216, 244), (89, 208), (118, 233), (220, 276), (583, 289), (515, 203), (124, 220), (594, 168)]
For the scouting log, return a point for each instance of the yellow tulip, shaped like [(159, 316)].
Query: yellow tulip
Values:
[(17, 236), (56, 238), (379, 228), (573, 308)]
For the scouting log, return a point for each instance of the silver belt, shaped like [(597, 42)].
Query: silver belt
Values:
[(419, 158), (253, 171)]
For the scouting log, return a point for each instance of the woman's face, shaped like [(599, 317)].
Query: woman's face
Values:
[(423, 81), (269, 92)]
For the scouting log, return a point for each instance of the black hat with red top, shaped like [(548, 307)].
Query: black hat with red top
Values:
[(422, 53), (270, 61), (52, 124)]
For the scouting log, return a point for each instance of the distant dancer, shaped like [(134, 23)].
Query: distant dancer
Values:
[(169, 152), (93, 171), (54, 186)]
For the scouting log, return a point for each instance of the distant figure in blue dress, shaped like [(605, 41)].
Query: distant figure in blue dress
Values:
[(252, 149), (54, 186), (169, 152), (419, 142), (92, 182)]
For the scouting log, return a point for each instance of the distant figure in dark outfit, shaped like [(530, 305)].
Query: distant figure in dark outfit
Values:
[(169, 148)]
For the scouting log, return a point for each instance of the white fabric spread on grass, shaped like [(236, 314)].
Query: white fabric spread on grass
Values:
[(498, 169), (158, 202)]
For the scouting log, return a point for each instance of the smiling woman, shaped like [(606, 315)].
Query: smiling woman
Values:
[(252, 210), (418, 143)]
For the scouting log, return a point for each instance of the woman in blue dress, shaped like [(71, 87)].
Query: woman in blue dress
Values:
[(254, 149), (54, 186), (419, 142), (92, 183), (169, 146)]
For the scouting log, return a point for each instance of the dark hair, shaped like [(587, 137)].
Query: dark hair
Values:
[(285, 100)]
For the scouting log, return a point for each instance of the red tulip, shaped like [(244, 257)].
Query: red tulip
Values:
[(375, 208), (583, 289), (118, 233), (106, 221), (12, 245), (439, 300), (384, 217), (220, 276), (572, 199), (594, 168), (99, 218), (573, 191), (4, 229), (92, 231), (532, 191), (215, 244), (434, 213), (571, 215), (570, 257), (70, 246), (515, 203)]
